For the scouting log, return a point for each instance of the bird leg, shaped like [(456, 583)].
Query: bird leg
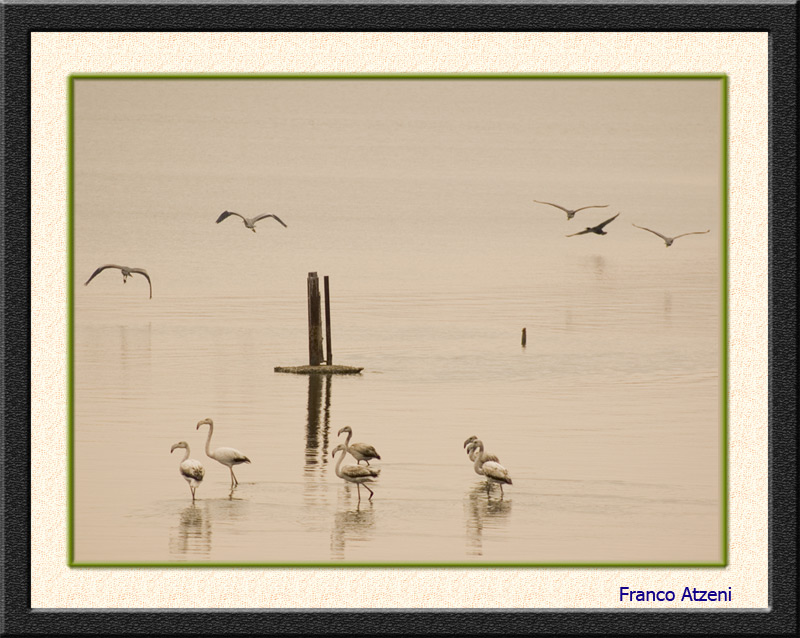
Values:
[(191, 488), (371, 493), (501, 491), (234, 482), (358, 485)]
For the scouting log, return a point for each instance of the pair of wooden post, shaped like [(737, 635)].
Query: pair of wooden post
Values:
[(315, 322)]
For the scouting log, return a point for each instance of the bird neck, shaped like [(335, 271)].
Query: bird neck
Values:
[(208, 440), (349, 436), (478, 456), (339, 464), (186, 456)]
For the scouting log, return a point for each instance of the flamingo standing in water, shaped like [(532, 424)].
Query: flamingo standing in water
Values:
[(359, 451), (225, 455), (190, 469), (492, 470), (358, 474)]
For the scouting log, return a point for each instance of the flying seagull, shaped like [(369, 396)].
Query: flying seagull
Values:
[(249, 222), (126, 272), (570, 212), (597, 230), (668, 240)]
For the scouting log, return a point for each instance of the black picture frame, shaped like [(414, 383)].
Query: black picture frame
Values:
[(779, 19)]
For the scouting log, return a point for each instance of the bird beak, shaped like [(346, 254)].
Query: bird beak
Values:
[(172, 449), (339, 433)]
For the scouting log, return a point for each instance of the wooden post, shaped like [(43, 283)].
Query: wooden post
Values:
[(328, 347), (524, 338), (314, 321)]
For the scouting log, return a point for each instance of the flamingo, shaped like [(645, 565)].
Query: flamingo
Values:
[(359, 451), (190, 469), (249, 222), (570, 212), (225, 455), (668, 240), (490, 468), (126, 272), (597, 230), (358, 474), (478, 456)]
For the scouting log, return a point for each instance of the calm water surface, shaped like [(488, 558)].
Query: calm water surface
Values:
[(608, 421)]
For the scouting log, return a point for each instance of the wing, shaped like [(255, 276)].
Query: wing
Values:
[(229, 454), (700, 232), (583, 232), (595, 206), (227, 214), (652, 231), (608, 221), (192, 469), (277, 219), (360, 471), (99, 270), (366, 450), (496, 471), (566, 210), (142, 271)]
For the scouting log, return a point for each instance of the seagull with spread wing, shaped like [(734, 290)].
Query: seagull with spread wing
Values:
[(249, 222), (569, 211), (597, 230), (668, 240), (126, 272)]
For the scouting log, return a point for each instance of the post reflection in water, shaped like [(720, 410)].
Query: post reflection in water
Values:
[(318, 421), (483, 514), (192, 537), (351, 526), (317, 429)]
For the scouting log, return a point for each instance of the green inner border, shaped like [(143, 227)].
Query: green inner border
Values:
[(723, 78)]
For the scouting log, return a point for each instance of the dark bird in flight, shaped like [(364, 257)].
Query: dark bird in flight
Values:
[(570, 212), (597, 230), (126, 272), (249, 222), (668, 240)]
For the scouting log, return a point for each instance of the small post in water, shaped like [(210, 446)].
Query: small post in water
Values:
[(314, 321), (328, 347), (524, 338)]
